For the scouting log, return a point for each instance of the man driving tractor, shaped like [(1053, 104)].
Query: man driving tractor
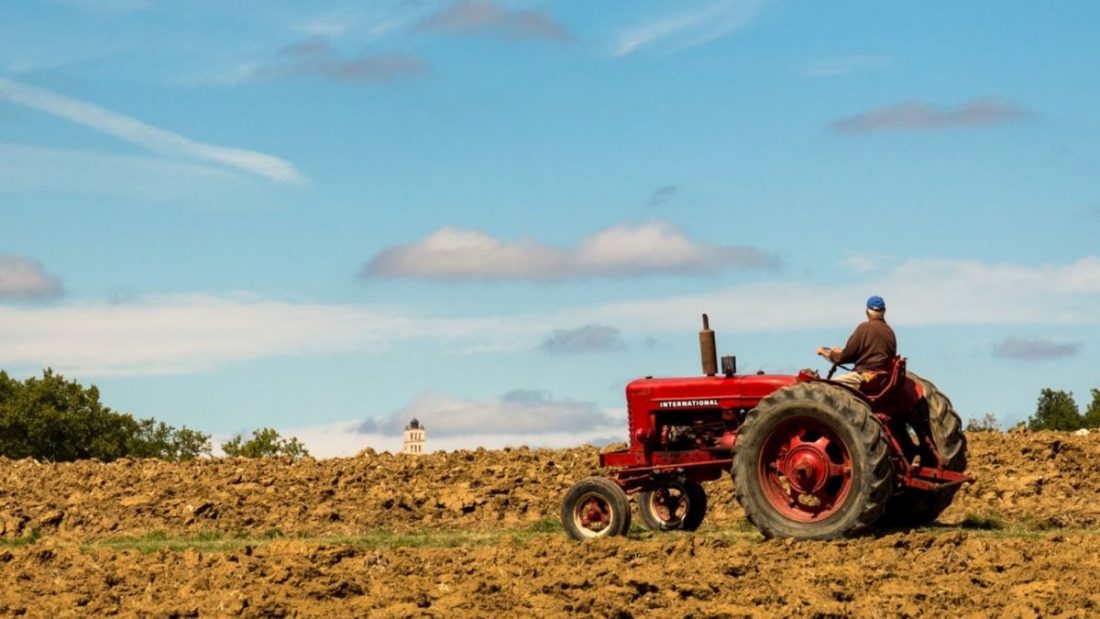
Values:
[(810, 458), (872, 347)]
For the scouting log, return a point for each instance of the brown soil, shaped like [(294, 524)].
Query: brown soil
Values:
[(1043, 485)]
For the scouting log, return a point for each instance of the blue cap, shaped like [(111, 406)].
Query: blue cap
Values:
[(876, 303)]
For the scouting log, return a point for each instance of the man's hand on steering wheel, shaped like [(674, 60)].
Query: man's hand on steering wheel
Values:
[(827, 353)]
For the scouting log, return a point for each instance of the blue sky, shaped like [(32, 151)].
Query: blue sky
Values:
[(329, 218)]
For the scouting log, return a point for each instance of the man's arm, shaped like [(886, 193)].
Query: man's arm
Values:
[(851, 349)]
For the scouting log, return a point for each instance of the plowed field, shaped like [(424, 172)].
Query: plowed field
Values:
[(475, 534)]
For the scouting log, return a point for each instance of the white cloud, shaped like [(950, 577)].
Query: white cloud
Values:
[(315, 57), (38, 170), (178, 334), (521, 411), (1035, 349), (475, 16), (589, 338), (23, 278), (922, 116), (627, 250), (185, 333), (147, 136), (454, 253), (657, 247), (365, 20), (690, 28), (519, 417), (331, 25), (188, 333), (861, 263), (918, 292)]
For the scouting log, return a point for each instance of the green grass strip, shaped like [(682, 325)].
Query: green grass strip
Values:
[(985, 526)]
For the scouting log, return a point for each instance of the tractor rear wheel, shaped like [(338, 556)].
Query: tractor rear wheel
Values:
[(595, 507), (920, 507), (811, 462), (677, 505)]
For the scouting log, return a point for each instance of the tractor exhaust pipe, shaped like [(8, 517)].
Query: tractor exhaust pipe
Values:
[(707, 349)]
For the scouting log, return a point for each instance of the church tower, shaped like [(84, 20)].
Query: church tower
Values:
[(414, 438)]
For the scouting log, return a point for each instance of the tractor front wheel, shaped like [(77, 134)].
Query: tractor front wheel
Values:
[(595, 507), (677, 505), (811, 462)]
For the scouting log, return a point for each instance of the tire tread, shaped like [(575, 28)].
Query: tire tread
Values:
[(854, 412)]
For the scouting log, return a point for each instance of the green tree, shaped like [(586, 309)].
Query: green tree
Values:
[(50, 418), (264, 442), (988, 423), (1092, 414), (1056, 410), (156, 439)]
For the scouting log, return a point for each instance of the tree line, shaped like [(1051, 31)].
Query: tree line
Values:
[(53, 419), (1055, 410)]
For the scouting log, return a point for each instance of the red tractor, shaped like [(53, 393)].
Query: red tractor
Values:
[(810, 457)]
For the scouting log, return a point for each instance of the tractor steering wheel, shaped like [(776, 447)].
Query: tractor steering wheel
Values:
[(832, 370)]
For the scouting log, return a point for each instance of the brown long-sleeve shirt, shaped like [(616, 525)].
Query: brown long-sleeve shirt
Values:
[(872, 347)]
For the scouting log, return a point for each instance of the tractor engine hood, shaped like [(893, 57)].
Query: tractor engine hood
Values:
[(703, 391)]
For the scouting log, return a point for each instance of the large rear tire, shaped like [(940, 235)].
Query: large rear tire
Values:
[(811, 462), (595, 507), (678, 505), (921, 507)]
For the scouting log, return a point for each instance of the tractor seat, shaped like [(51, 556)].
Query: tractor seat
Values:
[(884, 382)]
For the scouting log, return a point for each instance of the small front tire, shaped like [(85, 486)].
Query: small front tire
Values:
[(678, 505), (595, 507)]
